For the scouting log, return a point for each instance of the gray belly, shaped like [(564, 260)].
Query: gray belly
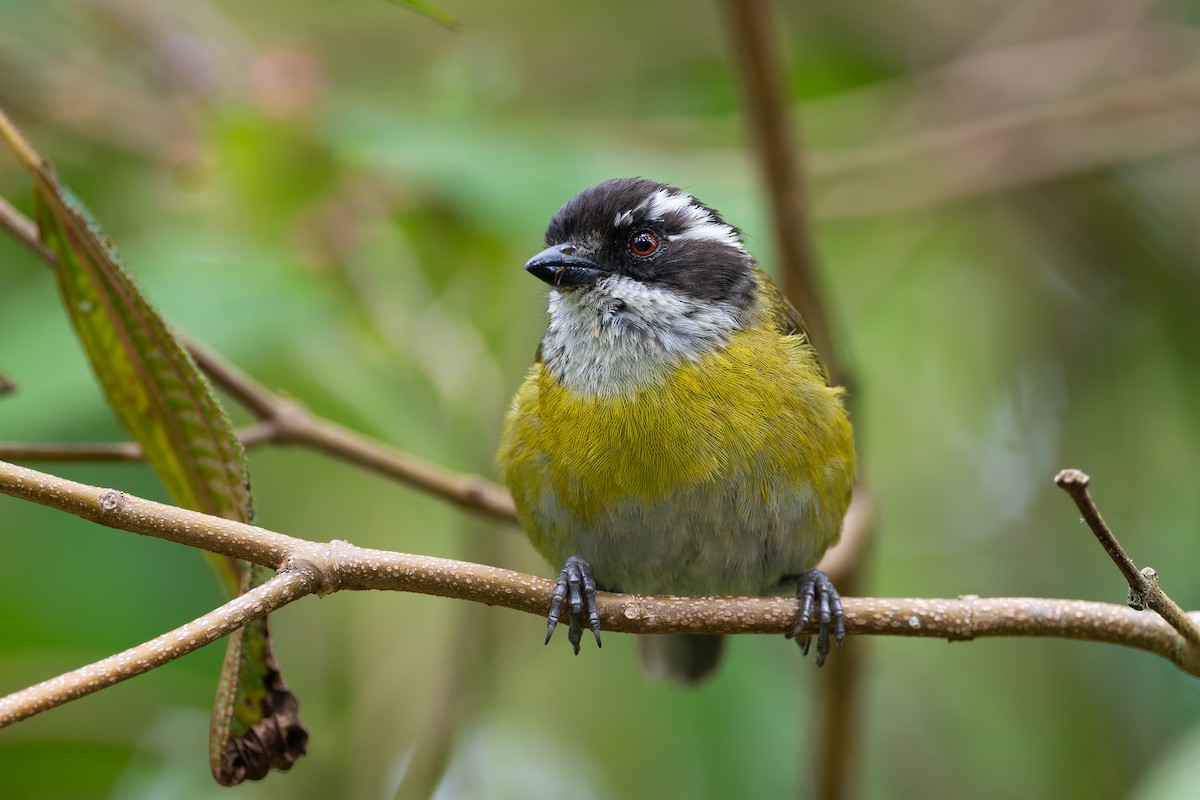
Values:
[(709, 539)]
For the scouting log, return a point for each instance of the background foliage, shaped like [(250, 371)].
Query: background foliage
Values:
[(338, 197)]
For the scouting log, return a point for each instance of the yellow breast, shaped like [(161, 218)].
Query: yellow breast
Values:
[(756, 412)]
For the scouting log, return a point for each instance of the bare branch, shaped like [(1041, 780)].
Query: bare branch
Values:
[(23, 229), (1144, 591), (337, 565), (250, 436), (469, 492), (70, 453), (257, 603), (251, 394)]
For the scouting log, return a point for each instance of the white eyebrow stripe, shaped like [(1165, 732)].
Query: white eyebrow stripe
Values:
[(699, 222), (622, 218), (710, 231), (663, 202)]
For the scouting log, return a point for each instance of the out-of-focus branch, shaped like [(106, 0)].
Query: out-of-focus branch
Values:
[(468, 492), (326, 567), (290, 423), (7, 385), (1135, 120), (250, 436), (843, 559), (23, 229), (839, 689), (777, 148)]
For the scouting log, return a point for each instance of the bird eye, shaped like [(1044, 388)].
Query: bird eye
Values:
[(643, 244)]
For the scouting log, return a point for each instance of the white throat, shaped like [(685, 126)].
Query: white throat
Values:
[(622, 335)]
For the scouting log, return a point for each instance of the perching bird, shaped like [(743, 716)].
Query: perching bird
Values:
[(677, 433)]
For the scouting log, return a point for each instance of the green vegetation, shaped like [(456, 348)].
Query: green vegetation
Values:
[(339, 197)]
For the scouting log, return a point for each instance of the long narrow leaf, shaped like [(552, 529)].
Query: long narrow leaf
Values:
[(167, 406)]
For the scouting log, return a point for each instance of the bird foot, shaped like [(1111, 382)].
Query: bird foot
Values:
[(815, 588), (576, 587)]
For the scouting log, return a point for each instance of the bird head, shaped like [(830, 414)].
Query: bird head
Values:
[(636, 230), (642, 274)]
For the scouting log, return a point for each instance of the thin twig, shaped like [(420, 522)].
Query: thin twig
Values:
[(29, 157), (279, 591), (254, 396), (250, 436), (1144, 591), (24, 230), (469, 492), (70, 453)]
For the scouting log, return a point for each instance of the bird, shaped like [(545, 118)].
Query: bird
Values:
[(677, 433)]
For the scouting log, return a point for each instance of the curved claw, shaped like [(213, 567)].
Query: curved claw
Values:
[(576, 587), (815, 589)]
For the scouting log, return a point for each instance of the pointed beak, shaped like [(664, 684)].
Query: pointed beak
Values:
[(559, 267)]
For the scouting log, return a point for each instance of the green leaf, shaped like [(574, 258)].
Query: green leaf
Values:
[(167, 406), (158, 394), (431, 11)]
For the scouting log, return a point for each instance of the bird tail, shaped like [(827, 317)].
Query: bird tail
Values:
[(683, 659)]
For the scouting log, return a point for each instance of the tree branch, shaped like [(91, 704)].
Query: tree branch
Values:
[(250, 436), (25, 231), (284, 588), (326, 567), (1144, 591)]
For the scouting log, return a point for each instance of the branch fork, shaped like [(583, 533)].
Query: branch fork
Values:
[(1144, 591)]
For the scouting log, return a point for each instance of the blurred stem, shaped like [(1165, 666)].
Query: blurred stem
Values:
[(467, 649), (1032, 144), (838, 690), (777, 147), (23, 229), (465, 657), (250, 436), (327, 567), (20, 146)]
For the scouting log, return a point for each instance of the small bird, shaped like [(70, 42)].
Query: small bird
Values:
[(677, 433)]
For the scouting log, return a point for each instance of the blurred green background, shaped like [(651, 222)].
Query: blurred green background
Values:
[(339, 197)]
